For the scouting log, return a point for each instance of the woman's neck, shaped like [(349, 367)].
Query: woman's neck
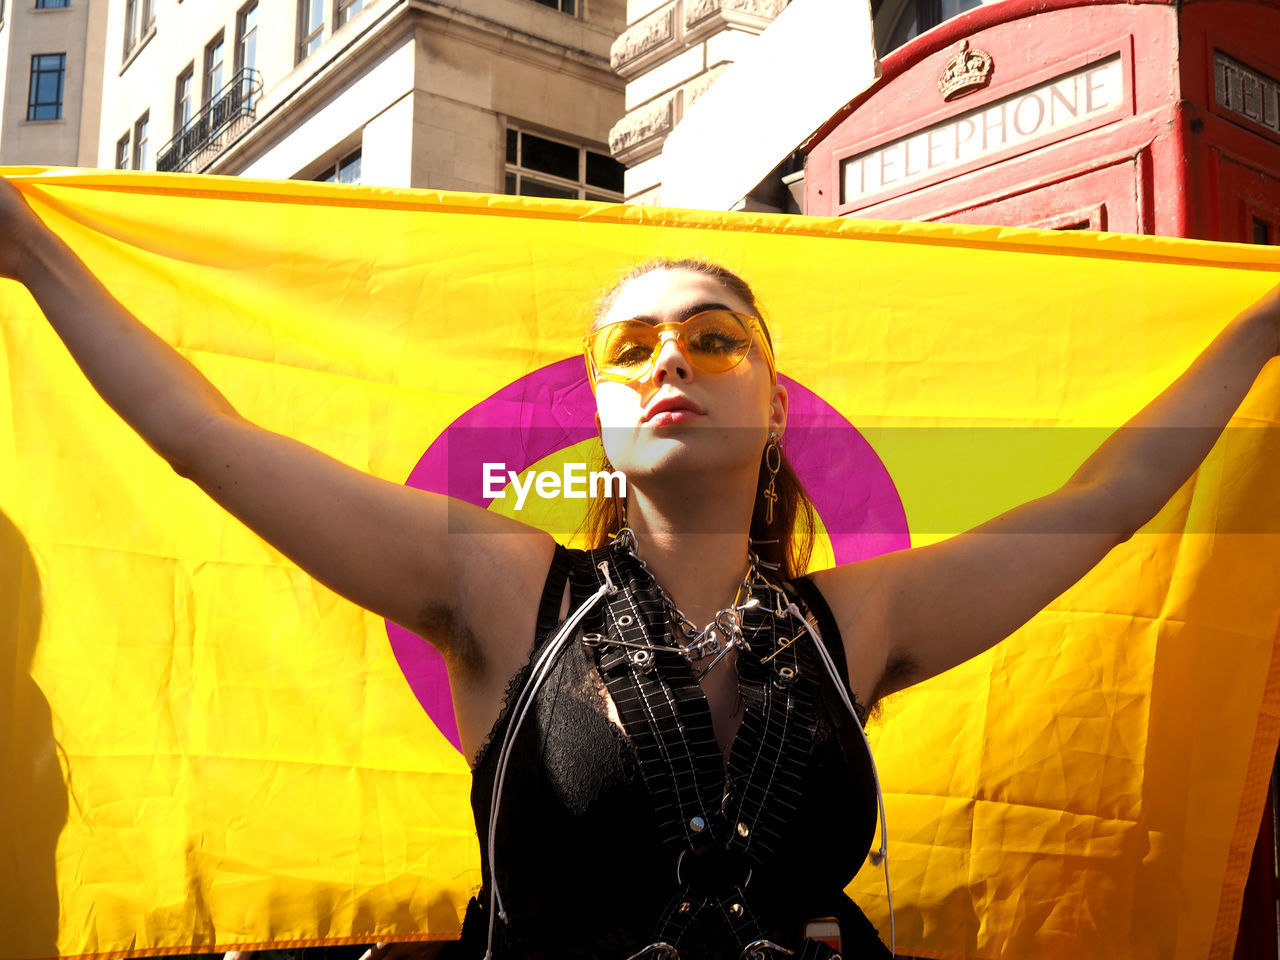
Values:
[(696, 548)]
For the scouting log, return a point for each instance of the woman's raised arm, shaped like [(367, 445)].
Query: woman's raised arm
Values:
[(913, 614), (454, 573)]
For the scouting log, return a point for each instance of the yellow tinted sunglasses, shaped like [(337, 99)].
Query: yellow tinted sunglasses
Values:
[(713, 341)]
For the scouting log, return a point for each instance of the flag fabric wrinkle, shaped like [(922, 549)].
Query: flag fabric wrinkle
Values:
[(204, 749)]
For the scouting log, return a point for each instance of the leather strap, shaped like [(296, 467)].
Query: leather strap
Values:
[(717, 821)]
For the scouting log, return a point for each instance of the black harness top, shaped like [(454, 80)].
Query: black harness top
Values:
[(642, 841)]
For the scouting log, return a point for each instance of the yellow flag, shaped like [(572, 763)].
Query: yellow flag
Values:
[(201, 748)]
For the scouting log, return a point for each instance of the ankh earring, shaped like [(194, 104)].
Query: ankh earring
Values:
[(772, 462), (619, 503)]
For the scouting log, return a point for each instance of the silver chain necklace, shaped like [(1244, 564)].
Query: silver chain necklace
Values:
[(718, 637)]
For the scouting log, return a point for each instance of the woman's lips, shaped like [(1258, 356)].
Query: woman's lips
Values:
[(671, 410), (671, 418)]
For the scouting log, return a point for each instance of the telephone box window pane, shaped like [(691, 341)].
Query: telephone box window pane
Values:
[(1261, 231), (547, 156)]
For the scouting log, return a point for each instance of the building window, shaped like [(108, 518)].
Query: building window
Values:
[(184, 98), (51, 4), (346, 10), (138, 17), (247, 38), (215, 54), (902, 21), (122, 153), (44, 95), (346, 170), (130, 26), (247, 50), (564, 6), (310, 27), (541, 167), (140, 142)]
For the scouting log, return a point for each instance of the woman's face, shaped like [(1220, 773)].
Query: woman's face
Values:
[(678, 419)]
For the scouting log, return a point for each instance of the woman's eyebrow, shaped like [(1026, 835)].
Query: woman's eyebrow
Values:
[(686, 313)]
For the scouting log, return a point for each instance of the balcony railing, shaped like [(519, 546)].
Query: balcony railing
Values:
[(229, 112)]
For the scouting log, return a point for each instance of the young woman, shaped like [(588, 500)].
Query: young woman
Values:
[(667, 760)]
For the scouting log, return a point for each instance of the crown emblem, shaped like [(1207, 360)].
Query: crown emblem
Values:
[(967, 71)]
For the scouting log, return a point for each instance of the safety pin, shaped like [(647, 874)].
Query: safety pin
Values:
[(783, 647), (596, 639), (729, 645)]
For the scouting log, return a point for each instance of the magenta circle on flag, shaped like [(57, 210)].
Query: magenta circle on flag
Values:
[(553, 408)]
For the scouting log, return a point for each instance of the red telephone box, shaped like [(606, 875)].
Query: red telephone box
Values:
[(1137, 117), (1146, 117)]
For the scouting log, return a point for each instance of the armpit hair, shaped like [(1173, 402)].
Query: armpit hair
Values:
[(899, 673), (439, 622)]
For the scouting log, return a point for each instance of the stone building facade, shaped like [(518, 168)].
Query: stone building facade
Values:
[(475, 95), (51, 69), (672, 50), (669, 54)]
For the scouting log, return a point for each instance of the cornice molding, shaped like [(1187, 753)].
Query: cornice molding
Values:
[(644, 42), (643, 130), (710, 16)]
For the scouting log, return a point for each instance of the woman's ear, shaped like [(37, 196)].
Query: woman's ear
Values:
[(778, 409)]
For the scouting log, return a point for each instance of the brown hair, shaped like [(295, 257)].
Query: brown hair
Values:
[(788, 541)]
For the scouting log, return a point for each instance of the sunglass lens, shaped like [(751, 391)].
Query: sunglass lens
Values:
[(624, 349), (717, 340)]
